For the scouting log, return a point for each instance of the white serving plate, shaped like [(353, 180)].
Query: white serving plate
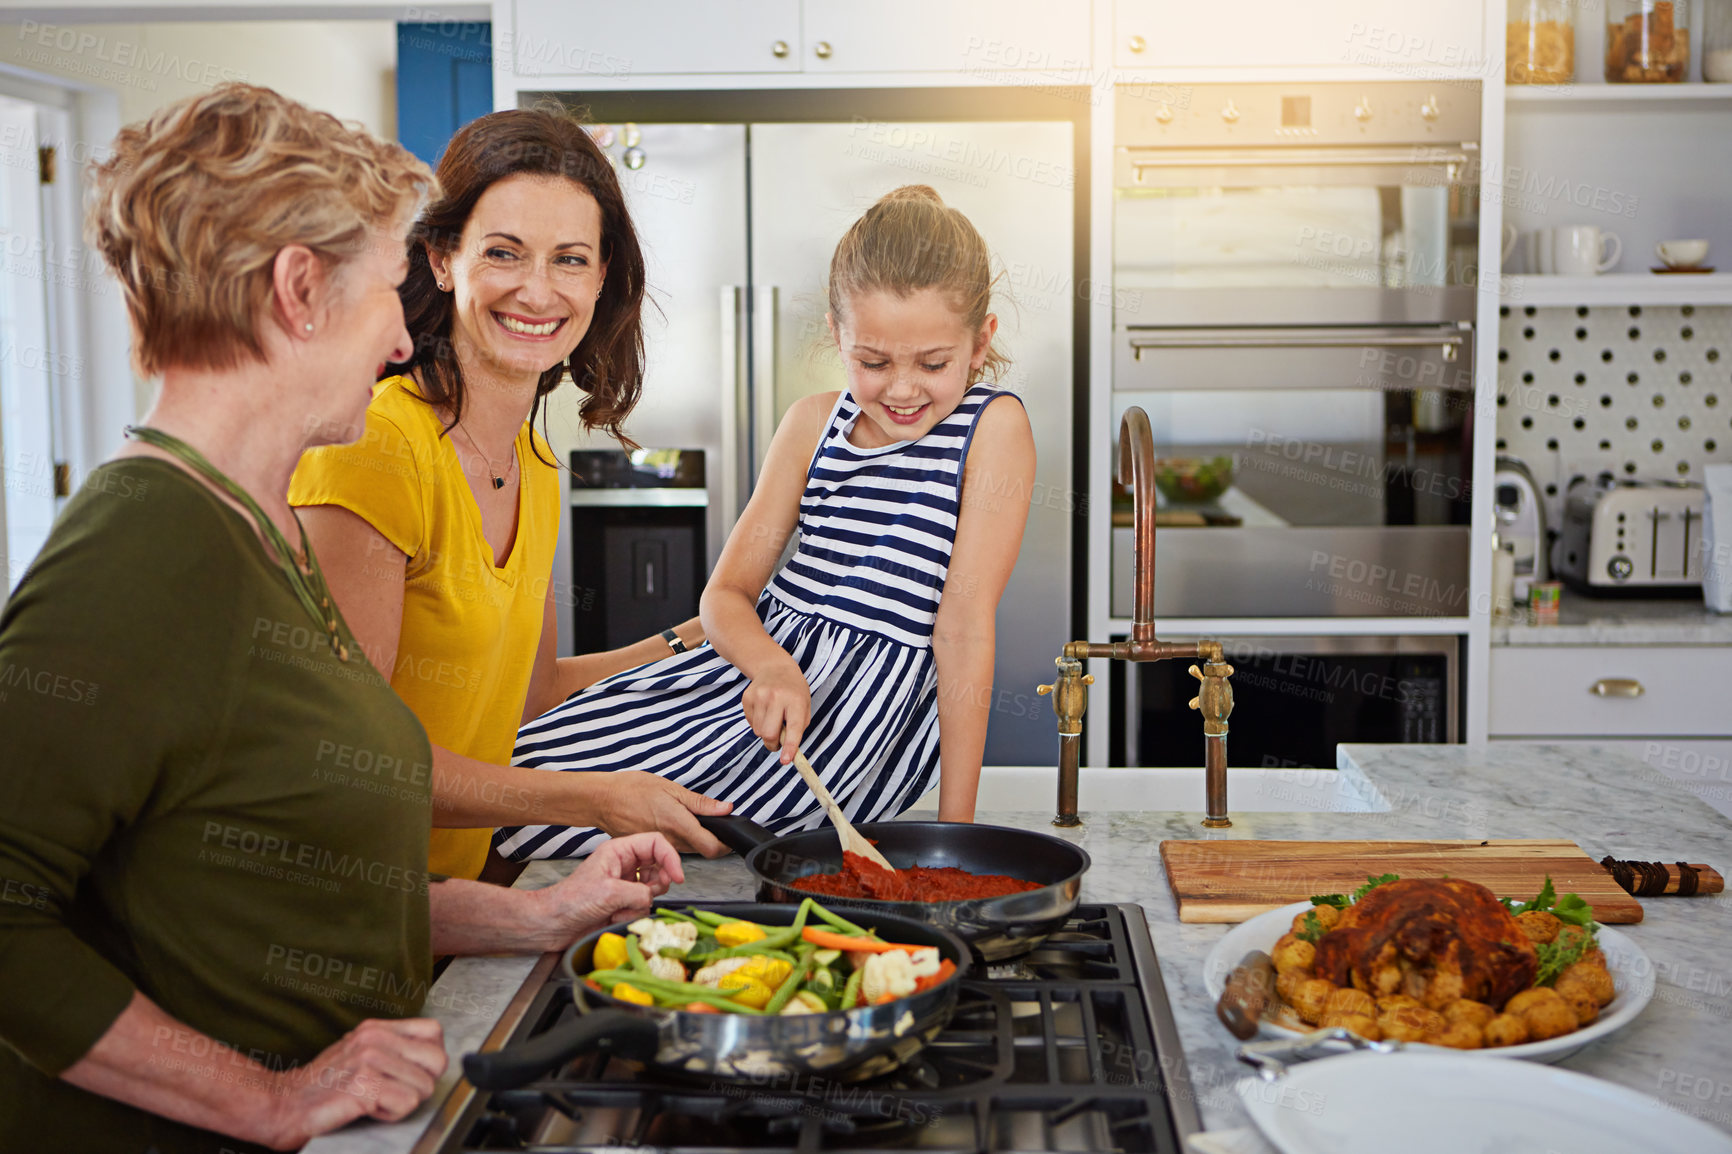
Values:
[(1446, 1102), (1632, 980)]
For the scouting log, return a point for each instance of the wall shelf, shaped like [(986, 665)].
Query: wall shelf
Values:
[(1600, 97), (1618, 289)]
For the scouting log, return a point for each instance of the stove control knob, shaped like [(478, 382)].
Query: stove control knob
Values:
[(1362, 112), (1429, 109), (1230, 113), (1164, 114)]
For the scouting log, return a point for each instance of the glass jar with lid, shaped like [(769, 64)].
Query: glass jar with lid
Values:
[(1647, 41), (1717, 41), (1540, 42)]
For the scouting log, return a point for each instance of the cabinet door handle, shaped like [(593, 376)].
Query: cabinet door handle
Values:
[(1617, 687), (779, 49), (822, 49)]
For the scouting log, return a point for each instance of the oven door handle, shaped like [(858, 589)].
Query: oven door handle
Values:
[(1447, 340), (1375, 162)]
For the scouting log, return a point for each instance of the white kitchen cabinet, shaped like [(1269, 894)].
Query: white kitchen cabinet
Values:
[(1589, 692), (975, 36), (1446, 35), (609, 39)]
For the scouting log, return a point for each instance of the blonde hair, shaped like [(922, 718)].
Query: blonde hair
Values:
[(911, 240), (192, 207)]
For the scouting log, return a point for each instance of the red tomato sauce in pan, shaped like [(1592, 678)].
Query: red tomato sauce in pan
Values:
[(861, 878)]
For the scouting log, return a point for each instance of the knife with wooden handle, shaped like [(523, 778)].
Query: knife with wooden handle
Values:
[(1249, 988)]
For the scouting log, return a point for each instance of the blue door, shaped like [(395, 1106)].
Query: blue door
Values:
[(444, 80)]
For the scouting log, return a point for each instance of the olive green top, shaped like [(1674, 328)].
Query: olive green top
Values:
[(199, 801)]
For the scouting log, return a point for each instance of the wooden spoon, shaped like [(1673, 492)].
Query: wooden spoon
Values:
[(853, 841)]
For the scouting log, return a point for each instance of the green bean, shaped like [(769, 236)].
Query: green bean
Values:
[(749, 950), (790, 984), (852, 990), (675, 915), (675, 991), (710, 919), (634, 955), (839, 922)]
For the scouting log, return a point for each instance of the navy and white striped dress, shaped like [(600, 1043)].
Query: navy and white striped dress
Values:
[(854, 606)]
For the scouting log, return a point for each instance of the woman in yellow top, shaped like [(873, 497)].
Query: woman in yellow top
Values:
[(437, 526)]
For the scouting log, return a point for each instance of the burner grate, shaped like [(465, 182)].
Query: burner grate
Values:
[(1056, 1051)]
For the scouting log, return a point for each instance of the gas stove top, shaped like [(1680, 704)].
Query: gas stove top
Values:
[(1071, 1048)]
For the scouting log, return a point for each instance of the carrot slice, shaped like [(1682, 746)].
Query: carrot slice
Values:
[(945, 969), (830, 940)]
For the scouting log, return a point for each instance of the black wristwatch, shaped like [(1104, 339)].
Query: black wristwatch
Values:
[(673, 640)]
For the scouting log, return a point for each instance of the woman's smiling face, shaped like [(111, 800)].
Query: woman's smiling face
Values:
[(525, 275)]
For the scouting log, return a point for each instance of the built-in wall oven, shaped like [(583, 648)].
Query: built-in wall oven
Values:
[(1295, 290), (1294, 700)]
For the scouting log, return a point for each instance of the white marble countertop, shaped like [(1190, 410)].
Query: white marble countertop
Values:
[(1679, 1050), (1584, 620)]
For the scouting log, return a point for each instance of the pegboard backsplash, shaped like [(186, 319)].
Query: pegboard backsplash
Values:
[(1644, 391)]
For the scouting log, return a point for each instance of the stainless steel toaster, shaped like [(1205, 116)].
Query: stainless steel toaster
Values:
[(1630, 534)]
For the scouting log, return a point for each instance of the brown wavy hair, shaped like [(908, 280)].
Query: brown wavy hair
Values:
[(608, 363), (911, 240), (193, 204)]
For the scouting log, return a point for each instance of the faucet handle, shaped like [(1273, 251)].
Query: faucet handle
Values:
[(1214, 698)]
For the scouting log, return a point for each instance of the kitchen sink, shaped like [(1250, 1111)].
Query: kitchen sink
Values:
[(1019, 787)]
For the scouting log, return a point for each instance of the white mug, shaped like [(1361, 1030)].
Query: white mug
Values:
[(1538, 252), (1681, 253), (1580, 250)]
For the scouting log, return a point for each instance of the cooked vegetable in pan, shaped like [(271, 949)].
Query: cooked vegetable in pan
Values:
[(709, 963)]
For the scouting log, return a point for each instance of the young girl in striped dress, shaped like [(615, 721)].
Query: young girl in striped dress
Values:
[(871, 649)]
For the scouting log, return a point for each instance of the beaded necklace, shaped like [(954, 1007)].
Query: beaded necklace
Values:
[(301, 568)]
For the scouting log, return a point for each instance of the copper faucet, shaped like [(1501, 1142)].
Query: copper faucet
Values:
[(1070, 688)]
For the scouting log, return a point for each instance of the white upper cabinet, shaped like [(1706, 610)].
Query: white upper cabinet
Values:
[(1423, 35), (618, 39), (1046, 36), (608, 38)]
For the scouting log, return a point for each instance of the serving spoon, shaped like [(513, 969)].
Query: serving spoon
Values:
[(853, 841)]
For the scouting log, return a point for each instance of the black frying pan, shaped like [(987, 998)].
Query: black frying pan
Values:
[(863, 1042), (995, 928)]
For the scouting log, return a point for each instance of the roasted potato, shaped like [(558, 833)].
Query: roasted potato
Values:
[(1362, 1024), (1506, 1030), (1459, 1035), (1411, 1023), (1539, 926), (1350, 1002), (1312, 998), (1580, 1000), (1544, 1012), (1596, 978), (1468, 1010), (1293, 953)]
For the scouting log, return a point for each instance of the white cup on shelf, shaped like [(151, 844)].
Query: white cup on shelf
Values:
[(1537, 251), (1582, 250), (1681, 253)]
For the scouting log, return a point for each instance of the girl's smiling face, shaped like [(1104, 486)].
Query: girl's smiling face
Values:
[(525, 275), (909, 360)]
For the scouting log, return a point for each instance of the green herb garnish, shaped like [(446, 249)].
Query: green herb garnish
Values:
[(1558, 956), (1571, 908), (1311, 929), (1342, 901)]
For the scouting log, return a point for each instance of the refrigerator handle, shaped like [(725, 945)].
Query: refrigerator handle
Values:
[(735, 406), (764, 309)]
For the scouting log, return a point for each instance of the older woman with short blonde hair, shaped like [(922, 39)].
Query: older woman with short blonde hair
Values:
[(224, 832)]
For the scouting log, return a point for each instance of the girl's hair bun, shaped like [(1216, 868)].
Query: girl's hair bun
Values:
[(912, 192)]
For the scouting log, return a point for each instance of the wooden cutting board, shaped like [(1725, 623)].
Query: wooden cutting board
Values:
[(1233, 880)]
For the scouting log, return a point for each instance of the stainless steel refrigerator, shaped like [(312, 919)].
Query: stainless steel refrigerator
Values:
[(738, 222)]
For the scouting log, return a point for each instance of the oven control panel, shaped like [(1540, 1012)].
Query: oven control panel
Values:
[(1260, 115)]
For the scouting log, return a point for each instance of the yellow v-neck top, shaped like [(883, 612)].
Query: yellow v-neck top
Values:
[(470, 627)]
